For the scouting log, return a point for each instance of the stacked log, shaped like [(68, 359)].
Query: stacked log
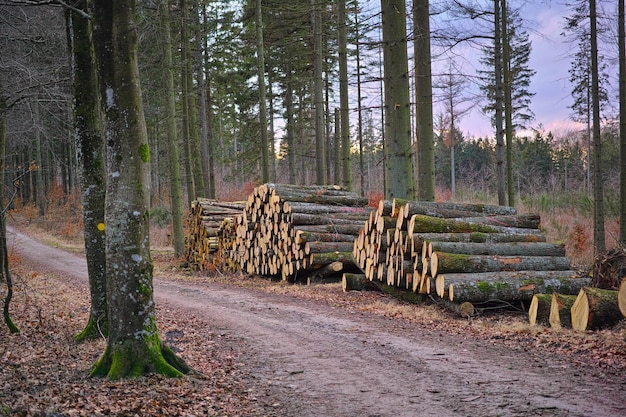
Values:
[(462, 252), (206, 223), (294, 232)]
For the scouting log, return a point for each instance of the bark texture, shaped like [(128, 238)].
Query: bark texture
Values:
[(133, 346)]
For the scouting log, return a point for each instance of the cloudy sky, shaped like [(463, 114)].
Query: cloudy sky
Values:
[(550, 58)]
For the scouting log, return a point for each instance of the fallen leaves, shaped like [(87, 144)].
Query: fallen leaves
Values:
[(43, 372)]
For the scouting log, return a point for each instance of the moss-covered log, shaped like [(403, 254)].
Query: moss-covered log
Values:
[(508, 285), (442, 263), (594, 309), (539, 310), (357, 282), (427, 224), (501, 249)]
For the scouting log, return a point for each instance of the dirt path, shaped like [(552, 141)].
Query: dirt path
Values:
[(328, 361)]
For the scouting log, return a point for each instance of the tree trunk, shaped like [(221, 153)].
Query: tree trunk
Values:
[(399, 177), (133, 346), (500, 168), (176, 199), (508, 103), (595, 309), (599, 242), (260, 60), (346, 148), (621, 37), (320, 159), (90, 146), (424, 98)]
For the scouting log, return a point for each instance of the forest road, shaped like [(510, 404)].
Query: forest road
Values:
[(319, 360)]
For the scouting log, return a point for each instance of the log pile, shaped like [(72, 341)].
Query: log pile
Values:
[(207, 222), (295, 232), (462, 252)]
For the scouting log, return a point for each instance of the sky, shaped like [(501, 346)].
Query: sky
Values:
[(550, 58)]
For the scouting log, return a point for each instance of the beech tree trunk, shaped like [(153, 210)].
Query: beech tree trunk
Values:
[(133, 346), (90, 146)]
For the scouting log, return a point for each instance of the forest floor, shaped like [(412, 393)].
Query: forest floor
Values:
[(261, 348)]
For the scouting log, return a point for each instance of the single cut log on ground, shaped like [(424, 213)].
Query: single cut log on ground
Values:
[(442, 263), (502, 249), (465, 309), (508, 285), (561, 310), (595, 309), (539, 310), (357, 282)]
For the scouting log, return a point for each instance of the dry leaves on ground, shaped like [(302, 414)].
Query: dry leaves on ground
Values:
[(44, 373)]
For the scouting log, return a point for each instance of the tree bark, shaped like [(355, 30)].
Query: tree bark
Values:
[(399, 178), (260, 53), (621, 297), (595, 309), (176, 198), (500, 249), (510, 286), (539, 310), (424, 97), (443, 263), (91, 155), (561, 310), (133, 346)]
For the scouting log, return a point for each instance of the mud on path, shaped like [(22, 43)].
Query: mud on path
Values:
[(320, 360)]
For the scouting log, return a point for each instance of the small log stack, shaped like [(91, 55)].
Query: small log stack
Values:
[(295, 232), (206, 223), (462, 252)]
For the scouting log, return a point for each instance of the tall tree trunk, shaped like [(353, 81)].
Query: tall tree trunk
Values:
[(342, 41), (260, 60), (399, 179), (5, 273), (289, 116), (133, 346), (500, 170), (91, 156), (359, 103), (176, 197), (40, 190), (508, 104), (209, 116), (622, 117), (272, 153), (202, 79), (318, 94), (424, 98), (337, 146), (599, 243)]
